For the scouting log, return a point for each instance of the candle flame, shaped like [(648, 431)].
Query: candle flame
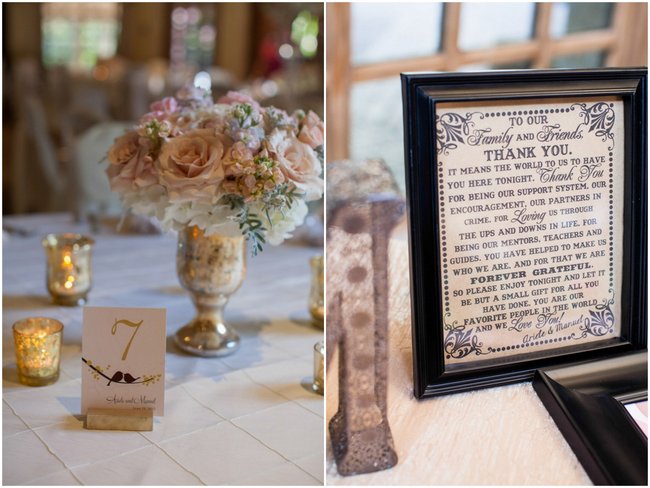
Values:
[(67, 261)]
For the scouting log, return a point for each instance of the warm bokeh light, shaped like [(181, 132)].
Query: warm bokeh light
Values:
[(286, 51), (202, 80), (304, 33)]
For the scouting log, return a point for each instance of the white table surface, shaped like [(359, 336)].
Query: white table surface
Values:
[(246, 419), (496, 436)]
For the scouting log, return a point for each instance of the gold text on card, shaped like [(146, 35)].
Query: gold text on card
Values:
[(128, 323)]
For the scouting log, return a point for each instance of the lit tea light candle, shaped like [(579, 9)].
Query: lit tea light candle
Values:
[(316, 303), (38, 350), (68, 267), (319, 368)]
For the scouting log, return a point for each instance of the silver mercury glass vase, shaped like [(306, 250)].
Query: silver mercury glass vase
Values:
[(211, 268)]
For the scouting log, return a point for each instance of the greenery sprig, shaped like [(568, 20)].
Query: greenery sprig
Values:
[(250, 224), (243, 112), (280, 198), (155, 132), (320, 153), (252, 228)]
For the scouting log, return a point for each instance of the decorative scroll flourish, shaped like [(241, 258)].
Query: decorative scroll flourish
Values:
[(600, 321), (599, 118), (119, 376), (452, 129), (460, 342)]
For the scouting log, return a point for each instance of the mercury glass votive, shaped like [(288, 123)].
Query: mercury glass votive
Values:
[(319, 368), (69, 271), (316, 305), (38, 350)]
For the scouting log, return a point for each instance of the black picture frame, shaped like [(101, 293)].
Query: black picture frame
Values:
[(586, 401), (421, 93)]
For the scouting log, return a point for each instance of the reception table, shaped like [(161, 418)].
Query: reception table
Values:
[(496, 436), (249, 418)]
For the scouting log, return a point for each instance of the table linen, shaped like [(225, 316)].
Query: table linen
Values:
[(249, 418)]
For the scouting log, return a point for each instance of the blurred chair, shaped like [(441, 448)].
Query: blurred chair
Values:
[(25, 84), (39, 181), (26, 78), (146, 83), (56, 90), (89, 105), (91, 192), (137, 92), (112, 75), (45, 148)]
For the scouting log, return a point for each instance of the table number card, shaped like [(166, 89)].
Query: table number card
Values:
[(123, 358)]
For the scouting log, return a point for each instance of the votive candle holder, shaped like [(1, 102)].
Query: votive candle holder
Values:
[(319, 368), (316, 302), (38, 350), (69, 267)]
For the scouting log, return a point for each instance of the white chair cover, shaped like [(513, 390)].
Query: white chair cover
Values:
[(92, 191)]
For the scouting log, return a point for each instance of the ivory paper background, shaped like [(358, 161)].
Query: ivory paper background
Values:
[(531, 225)]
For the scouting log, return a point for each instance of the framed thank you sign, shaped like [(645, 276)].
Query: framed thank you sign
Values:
[(527, 195)]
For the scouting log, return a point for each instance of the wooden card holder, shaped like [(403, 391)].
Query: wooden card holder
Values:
[(119, 419)]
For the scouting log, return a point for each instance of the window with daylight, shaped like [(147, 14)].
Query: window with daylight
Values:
[(373, 43), (77, 35)]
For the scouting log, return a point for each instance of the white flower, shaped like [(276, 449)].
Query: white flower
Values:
[(216, 219), (284, 223), (150, 201)]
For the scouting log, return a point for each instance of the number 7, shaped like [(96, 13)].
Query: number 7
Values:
[(128, 323)]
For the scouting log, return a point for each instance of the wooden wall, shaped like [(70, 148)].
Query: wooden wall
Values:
[(23, 30), (145, 31)]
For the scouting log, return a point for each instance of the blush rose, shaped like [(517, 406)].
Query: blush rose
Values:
[(191, 165)]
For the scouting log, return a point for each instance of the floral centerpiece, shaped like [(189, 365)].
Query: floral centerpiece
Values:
[(231, 167), (218, 173)]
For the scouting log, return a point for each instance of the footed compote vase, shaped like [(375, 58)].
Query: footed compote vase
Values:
[(211, 268)]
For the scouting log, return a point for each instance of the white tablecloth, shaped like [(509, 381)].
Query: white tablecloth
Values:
[(249, 418), (495, 436)]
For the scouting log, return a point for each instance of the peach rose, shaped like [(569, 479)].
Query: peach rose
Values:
[(124, 149), (165, 109), (236, 97), (214, 122), (191, 165), (194, 96), (130, 164), (311, 130), (298, 163), (167, 105)]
